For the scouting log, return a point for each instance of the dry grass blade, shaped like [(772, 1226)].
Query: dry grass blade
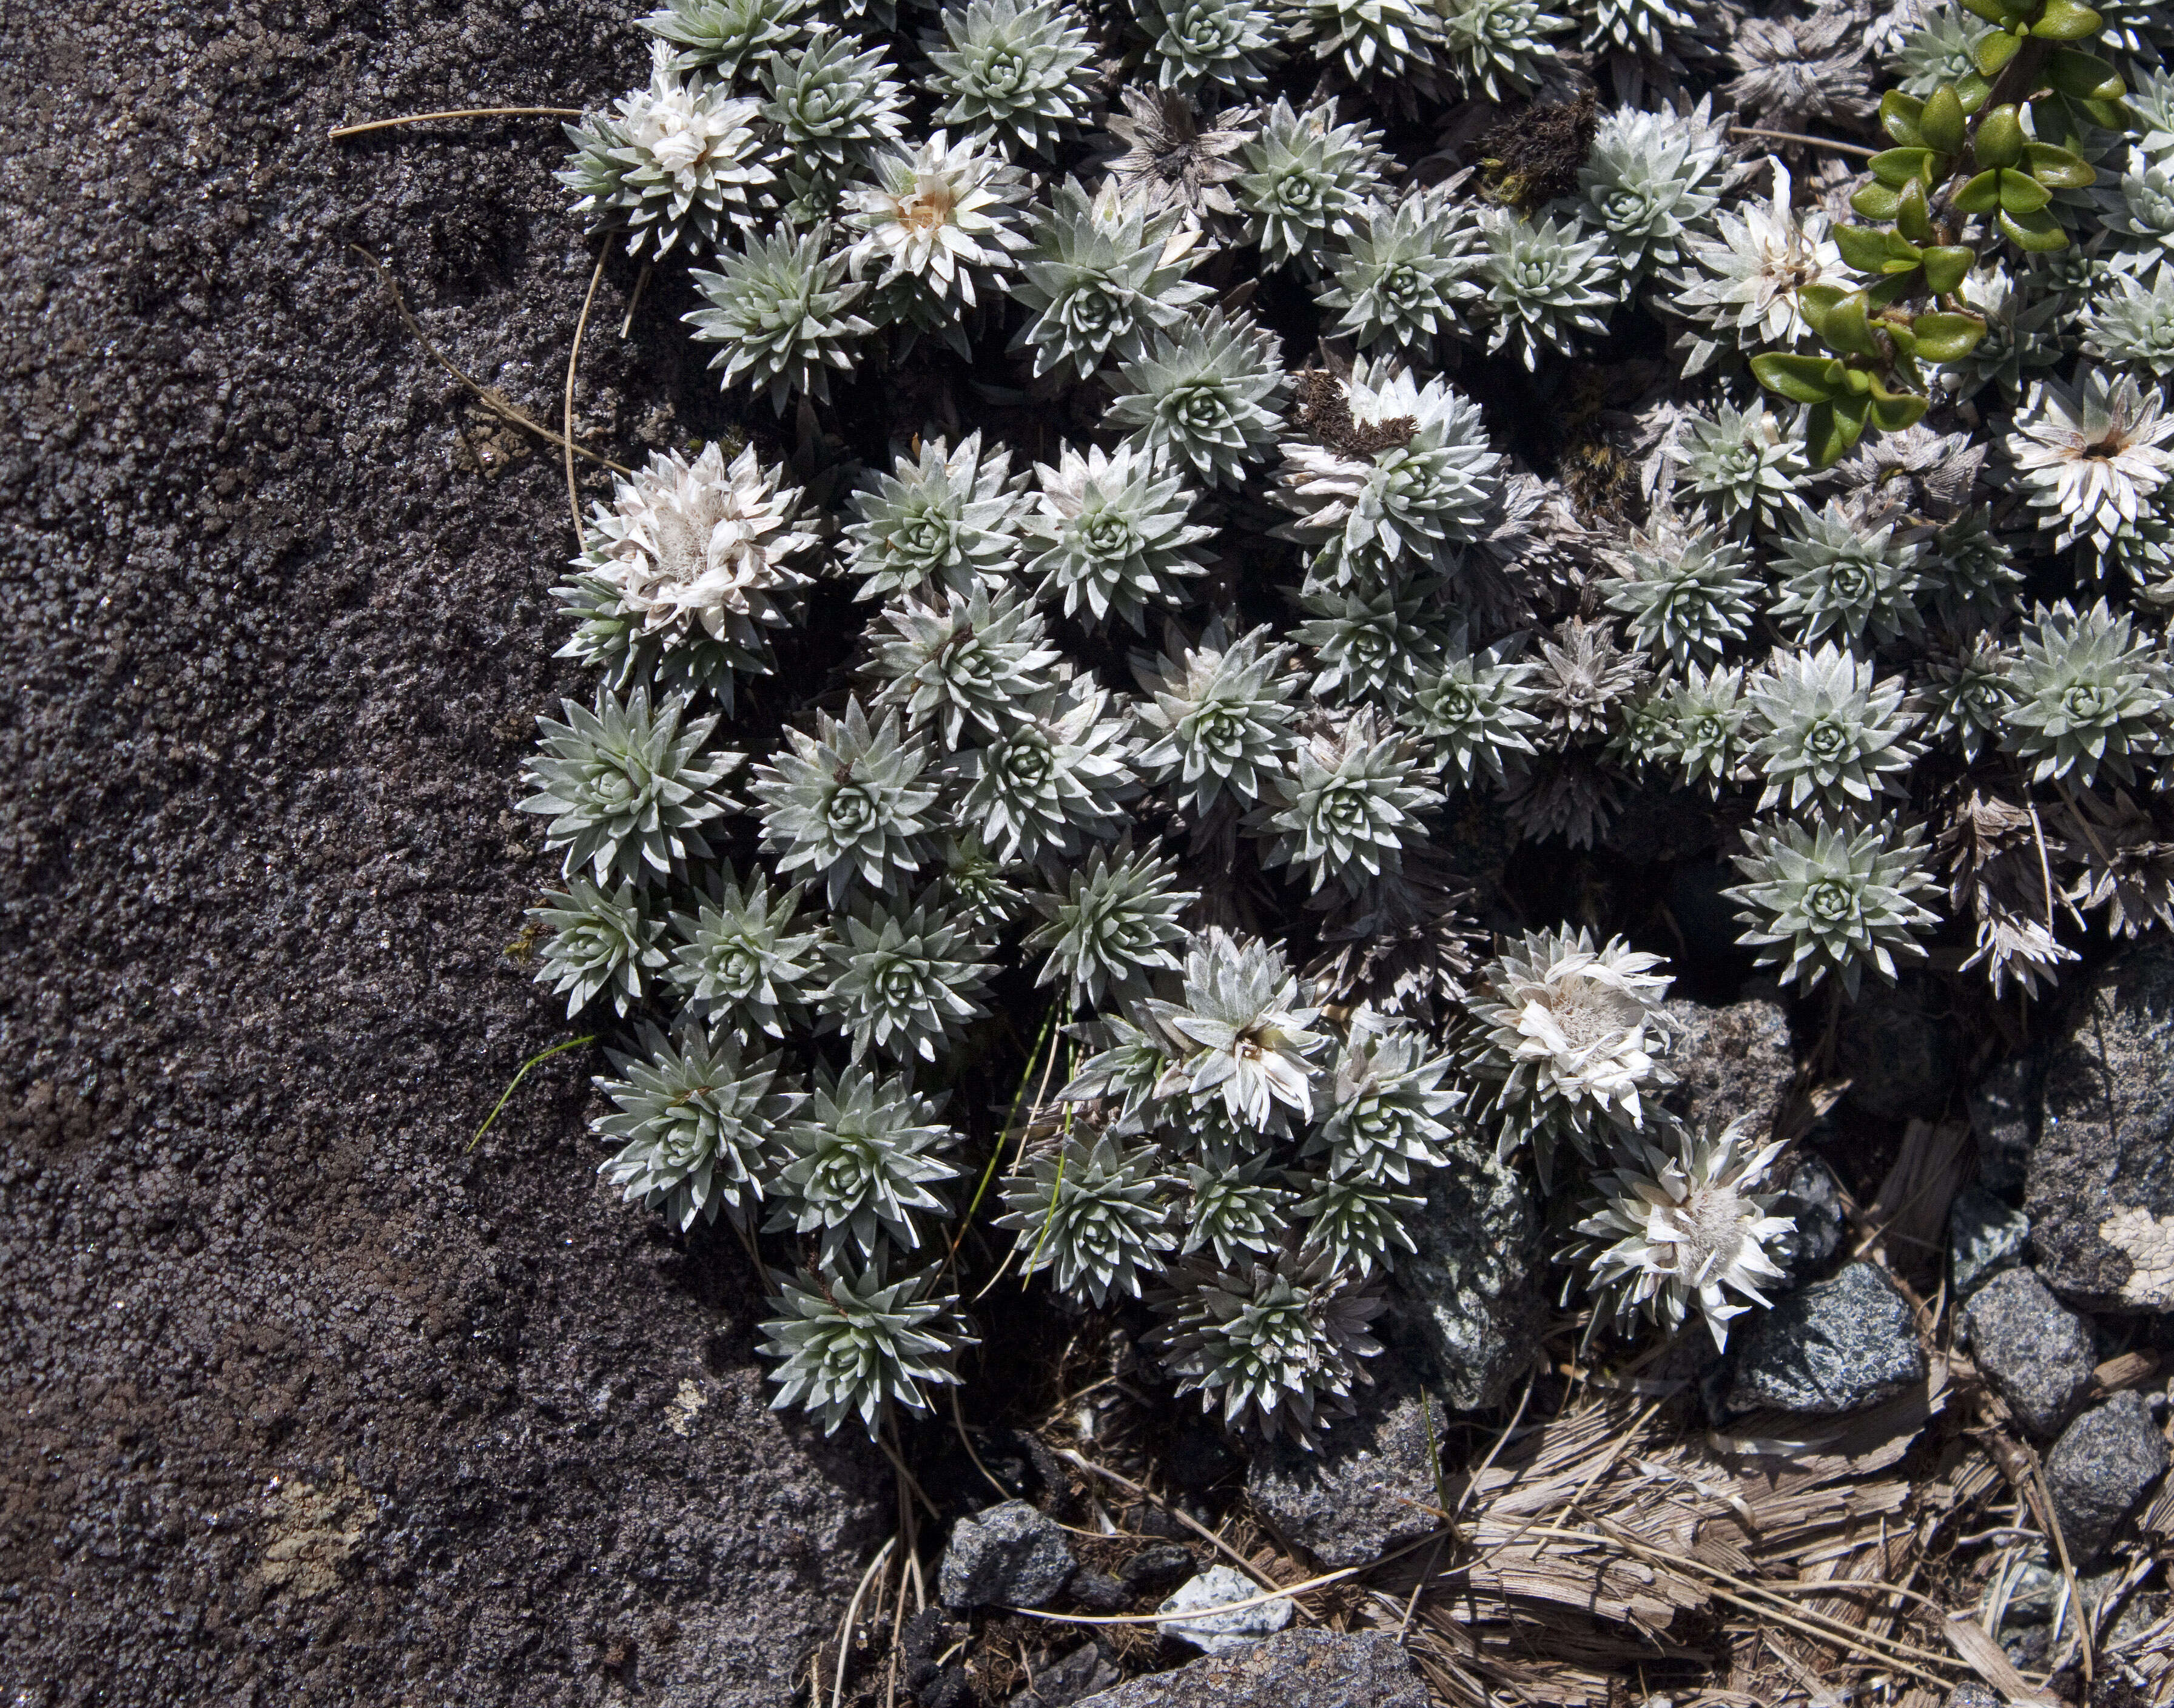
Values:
[(1989, 1661), (573, 361), (345, 131)]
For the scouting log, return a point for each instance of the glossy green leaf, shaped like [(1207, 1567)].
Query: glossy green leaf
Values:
[(1947, 265), (1868, 250), (2106, 114), (1893, 411), (1913, 224), (1993, 52), (1947, 338), (2040, 232), (1855, 383), (1846, 330), (1898, 118), (2064, 20), (1942, 124), (1800, 379), (1999, 139), (1982, 195), (1876, 201), (2057, 169), (2021, 193), (2083, 76), (1972, 89), (1990, 10), (1901, 166), (1830, 429)]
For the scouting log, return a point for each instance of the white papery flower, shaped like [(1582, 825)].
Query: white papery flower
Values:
[(1678, 1222), (706, 543), (940, 214), (1746, 279), (2091, 456), (1571, 1033), (1241, 1028)]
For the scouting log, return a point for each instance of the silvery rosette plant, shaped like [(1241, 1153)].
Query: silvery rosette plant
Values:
[(1242, 549)]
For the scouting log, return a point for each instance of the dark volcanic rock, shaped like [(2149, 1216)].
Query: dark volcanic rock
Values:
[(2035, 1351), (1728, 1061), (1811, 1197), (308, 1401), (1985, 1237), (1470, 1288), (1308, 1668), (2097, 1103), (1830, 1348), (1010, 1556), (1898, 1048), (2102, 1463), (1365, 1489)]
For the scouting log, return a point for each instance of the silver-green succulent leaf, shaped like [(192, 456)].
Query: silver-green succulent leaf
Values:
[(1235, 1209), (970, 664), (1651, 179), (1407, 275), (1389, 1098), (1095, 1215), (1834, 897), (728, 37), (861, 1166), (1689, 594), (1477, 708), (1359, 1224), (1744, 465), (1351, 804), (1373, 647), (1208, 396), (628, 788), (778, 307), (1497, 48), (736, 960), (1307, 183), (945, 518), (1103, 273), (1843, 578), (904, 983), (1217, 718), (1111, 928), (1111, 534), (602, 941), (1830, 732), (694, 1122), (2086, 694), (1273, 1347), (1545, 285), (1017, 72), (848, 805), (1056, 778), (849, 1345), (1225, 46)]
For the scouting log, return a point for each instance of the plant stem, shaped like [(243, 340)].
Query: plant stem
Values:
[(346, 130)]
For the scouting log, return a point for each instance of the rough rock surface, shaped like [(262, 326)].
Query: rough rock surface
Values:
[(1812, 1199), (307, 1400), (1830, 1348), (2102, 1463), (1308, 1668), (2035, 1351), (1985, 1238), (1471, 1287), (1731, 1061), (2097, 1105), (1899, 1047), (1009, 1555), (1366, 1489), (1217, 1632)]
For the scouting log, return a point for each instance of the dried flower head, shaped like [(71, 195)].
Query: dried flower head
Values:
[(1678, 1222)]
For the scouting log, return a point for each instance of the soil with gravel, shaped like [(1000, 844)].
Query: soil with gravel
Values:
[(305, 1401)]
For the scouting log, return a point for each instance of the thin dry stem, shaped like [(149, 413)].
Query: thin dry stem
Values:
[(345, 131), (573, 361)]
